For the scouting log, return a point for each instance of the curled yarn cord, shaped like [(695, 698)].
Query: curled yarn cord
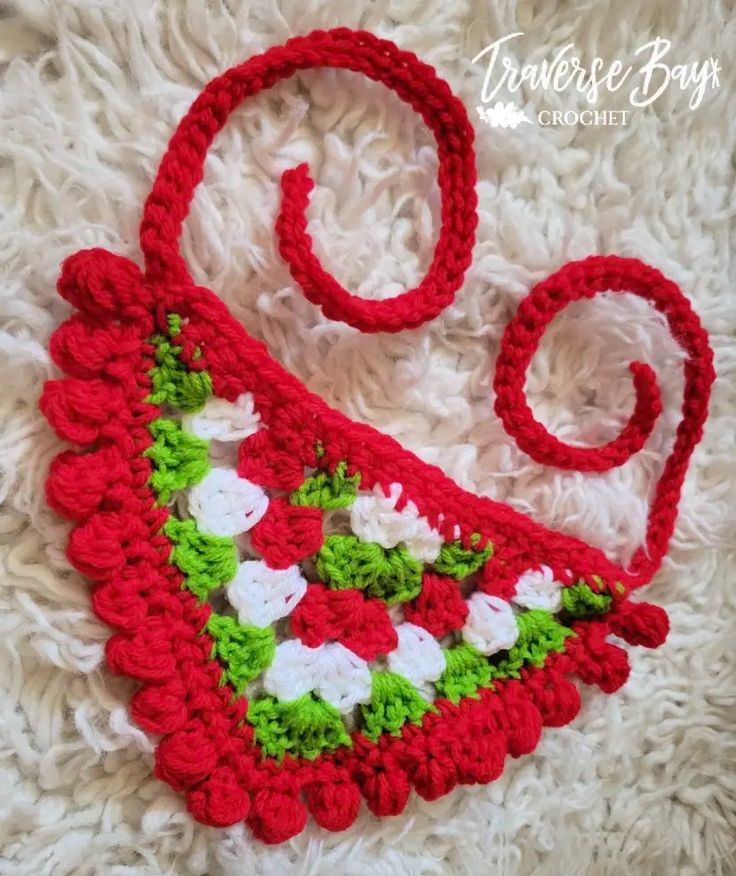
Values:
[(414, 82), (585, 279)]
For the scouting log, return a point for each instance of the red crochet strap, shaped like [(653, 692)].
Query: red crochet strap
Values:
[(584, 279), (417, 84)]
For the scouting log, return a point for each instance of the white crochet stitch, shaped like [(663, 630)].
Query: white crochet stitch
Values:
[(262, 595), (374, 518), (490, 625), (223, 503), (293, 672), (418, 655), (333, 672), (221, 420), (344, 678), (537, 588)]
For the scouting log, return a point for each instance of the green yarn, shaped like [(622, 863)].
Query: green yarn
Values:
[(539, 634), (394, 702), (208, 561), (458, 562), (391, 574), (173, 321), (179, 458), (466, 670), (303, 728), (580, 600), (243, 651), (328, 491), (171, 380)]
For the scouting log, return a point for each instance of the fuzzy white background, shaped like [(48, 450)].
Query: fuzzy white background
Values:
[(642, 782)]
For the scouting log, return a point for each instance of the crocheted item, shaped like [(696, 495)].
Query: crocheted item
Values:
[(332, 619)]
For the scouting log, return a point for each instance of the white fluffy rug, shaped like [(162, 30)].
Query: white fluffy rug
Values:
[(643, 781)]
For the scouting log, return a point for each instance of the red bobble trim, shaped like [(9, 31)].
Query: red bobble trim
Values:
[(276, 815), (517, 717), (334, 805), (161, 708), (120, 606), (146, 655), (186, 757), (266, 465), (80, 410), (557, 698), (430, 761), (102, 284), (383, 783), (596, 660), (102, 545), (287, 533), (80, 483), (480, 759), (220, 799), (84, 349), (439, 608), (640, 623)]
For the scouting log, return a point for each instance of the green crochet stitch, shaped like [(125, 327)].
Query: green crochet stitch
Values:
[(328, 491), (303, 728), (466, 670), (243, 651), (580, 600), (208, 561), (171, 380), (179, 458), (394, 702), (458, 562), (391, 574), (540, 633)]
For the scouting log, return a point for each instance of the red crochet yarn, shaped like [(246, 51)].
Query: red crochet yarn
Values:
[(208, 749)]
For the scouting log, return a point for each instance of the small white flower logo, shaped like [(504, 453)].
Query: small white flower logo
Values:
[(502, 116)]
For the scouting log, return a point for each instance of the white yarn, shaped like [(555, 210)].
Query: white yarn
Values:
[(222, 420), (490, 625), (333, 672), (262, 595), (293, 672), (223, 503), (417, 656), (344, 679), (374, 518), (537, 588)]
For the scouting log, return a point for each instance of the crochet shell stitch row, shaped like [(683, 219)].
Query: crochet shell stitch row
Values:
[(315, 616)]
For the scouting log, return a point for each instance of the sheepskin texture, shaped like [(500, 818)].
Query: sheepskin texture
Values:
[(640, 782)]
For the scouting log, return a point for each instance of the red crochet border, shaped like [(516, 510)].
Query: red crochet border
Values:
[(207, 749)]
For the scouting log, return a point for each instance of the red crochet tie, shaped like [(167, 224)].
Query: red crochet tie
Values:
[(416, 83), (584, 279)]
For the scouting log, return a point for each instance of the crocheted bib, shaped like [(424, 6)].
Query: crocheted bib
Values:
[(315, 615)]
